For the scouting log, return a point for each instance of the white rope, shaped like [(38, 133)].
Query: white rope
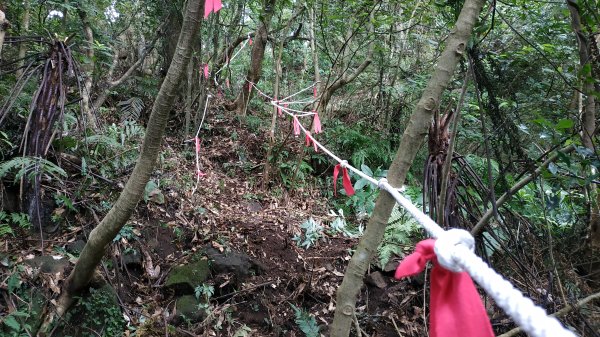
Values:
[(455, 251), (299, 92), (196, 151), (231, 59)]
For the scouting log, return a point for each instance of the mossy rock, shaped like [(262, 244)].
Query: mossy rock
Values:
[(184, 279), (188, 310)]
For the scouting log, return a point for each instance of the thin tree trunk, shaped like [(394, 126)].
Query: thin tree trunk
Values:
[(257, 56), (3, 26), (88, 69), (267, 170), (104, 233), (412, 140), (189, 99), (313, 48), (516, 187), (588, 117), (23, 46)]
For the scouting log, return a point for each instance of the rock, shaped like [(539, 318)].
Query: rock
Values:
[(377, 279), (187, 309), (391, 266), (184, 279), (232, 262), (49, 264), (252, 206), (132, 257), (75, 247)]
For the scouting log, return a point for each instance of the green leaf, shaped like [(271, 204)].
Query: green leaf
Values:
[(12, 323), (564, 124), (366, 170)]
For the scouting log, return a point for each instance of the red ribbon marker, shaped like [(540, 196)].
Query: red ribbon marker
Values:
[(227, 83), (315, 91), (296, 126), (212, 6), (309, 140), (205, 69), (345, 180), (455, 305), (316, 123), (249, 40)]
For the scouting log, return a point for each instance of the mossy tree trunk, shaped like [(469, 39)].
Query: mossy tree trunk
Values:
[(112, 223), (412, 140)]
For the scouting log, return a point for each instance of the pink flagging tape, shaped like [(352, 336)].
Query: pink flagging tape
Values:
[(317, 123), (205, 70), (212, 6)]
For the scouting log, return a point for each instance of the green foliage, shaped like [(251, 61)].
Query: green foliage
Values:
[(5, 144), (97, 312), (361, 144), (116, 149), (291, 175), (127, 233), (340, 226), (399, 234), (204, 291), (306, 322), (29, 167), (16, 324), (131, 109), (8, 221), (361, 204), (312, 232), (153, 193)]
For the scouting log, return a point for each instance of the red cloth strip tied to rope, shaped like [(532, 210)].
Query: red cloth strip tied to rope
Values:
[(212, 6), (345, 180), (309, 140), (455, 306), (316, 122)]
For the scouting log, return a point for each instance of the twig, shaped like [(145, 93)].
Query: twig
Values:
[(396, 326)]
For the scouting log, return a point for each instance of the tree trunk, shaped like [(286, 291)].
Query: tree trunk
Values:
[(88, 69), (112, 223), (313, 49), (588, 114), (276, 94), (23, 46), (257, 56), (411, 142), (3, 26)]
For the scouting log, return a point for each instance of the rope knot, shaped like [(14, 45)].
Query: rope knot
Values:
[(445, 247), (344, 164), (381, 183)]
